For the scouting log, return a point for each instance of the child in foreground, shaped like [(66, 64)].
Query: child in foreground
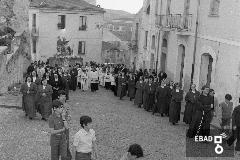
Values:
[(135, 151)]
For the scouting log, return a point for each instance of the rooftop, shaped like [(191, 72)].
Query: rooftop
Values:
[(123, 35), (65, 4)]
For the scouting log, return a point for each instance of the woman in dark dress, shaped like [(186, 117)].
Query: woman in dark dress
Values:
[(122, 86), (56, 84), (161, 98), (200, 124), (175, 106), (45, 99), (145, 95), (29, 91), (131, 87), (191, 102), (139, 93), (170, 88), (151, 89)]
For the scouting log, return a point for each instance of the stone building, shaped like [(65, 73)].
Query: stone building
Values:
[(78, 21), (196, 41)]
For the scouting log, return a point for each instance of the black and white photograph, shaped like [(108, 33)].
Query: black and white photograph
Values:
[(119, 79)]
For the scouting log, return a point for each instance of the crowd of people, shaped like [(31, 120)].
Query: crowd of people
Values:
[(47, 89)]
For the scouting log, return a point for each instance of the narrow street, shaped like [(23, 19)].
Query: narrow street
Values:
[(117, 124)]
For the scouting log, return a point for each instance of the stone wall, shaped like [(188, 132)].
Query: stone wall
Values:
[(12, 69)]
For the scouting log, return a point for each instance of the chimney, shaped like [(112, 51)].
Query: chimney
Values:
[(93, 2)]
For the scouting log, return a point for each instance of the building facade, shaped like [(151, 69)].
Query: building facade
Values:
[(197, 41), (78, 22)]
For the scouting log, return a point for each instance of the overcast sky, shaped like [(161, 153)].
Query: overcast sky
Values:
[(132, 6)]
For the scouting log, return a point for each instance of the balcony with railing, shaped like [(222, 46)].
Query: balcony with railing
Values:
[(34, 32), (183, 23)]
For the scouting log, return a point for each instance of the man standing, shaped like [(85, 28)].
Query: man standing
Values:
[(57, 128), (74, 74)]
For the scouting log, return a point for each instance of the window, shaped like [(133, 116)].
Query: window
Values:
[(83, 23), (34, 20), (148, 10), (146, 39), (82, 47), (168, 7), (214, 7), (153, 42), (34, 46), (61, 21)]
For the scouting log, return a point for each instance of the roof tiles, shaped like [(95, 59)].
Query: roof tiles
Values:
[(65, 4)]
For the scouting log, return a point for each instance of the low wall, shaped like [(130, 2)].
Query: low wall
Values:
[(13, 69)]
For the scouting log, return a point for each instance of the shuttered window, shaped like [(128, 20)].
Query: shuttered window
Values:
[(83, 23), (61, 21), (82, 47), (214, 7)]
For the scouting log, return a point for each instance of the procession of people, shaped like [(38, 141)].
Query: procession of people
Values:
[(155, 93)]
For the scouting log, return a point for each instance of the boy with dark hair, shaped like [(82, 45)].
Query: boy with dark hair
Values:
[(135, 151), (57, 129)]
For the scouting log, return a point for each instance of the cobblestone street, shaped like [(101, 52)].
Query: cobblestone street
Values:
[(117, 124)]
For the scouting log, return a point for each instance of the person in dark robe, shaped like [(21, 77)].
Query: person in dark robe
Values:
[(56, 85), (175, 106), (45, 99), (145, 95), (131, 87), (161, 98), (162, 75), (215, 103), (116, 80), (29, 91), (122, 86), (37, 81), (65, 83), (30, 69), (191, 104), (170, 88), (200, 124), (150, 88), (74, 74), (139, 93), (139, 74)]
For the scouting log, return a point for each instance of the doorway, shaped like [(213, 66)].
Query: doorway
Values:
[(180, 63), (206, 70), (164, 55)]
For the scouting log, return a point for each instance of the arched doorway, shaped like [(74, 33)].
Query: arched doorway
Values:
[(206, 70), (164, 55), (180, 63)]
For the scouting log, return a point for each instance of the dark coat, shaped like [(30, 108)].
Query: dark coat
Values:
[(190, 108), (175, 106), (131, 88), (139, 93), (202, 117), (45, 102), (145, 95), (56, 87), (122, 81), (29, 99), (151, 90), (161, 97)]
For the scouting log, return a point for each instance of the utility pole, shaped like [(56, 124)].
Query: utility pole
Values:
[(195, 42), (159, 36)]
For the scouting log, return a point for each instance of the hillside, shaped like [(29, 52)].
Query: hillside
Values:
[(116, 14)]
